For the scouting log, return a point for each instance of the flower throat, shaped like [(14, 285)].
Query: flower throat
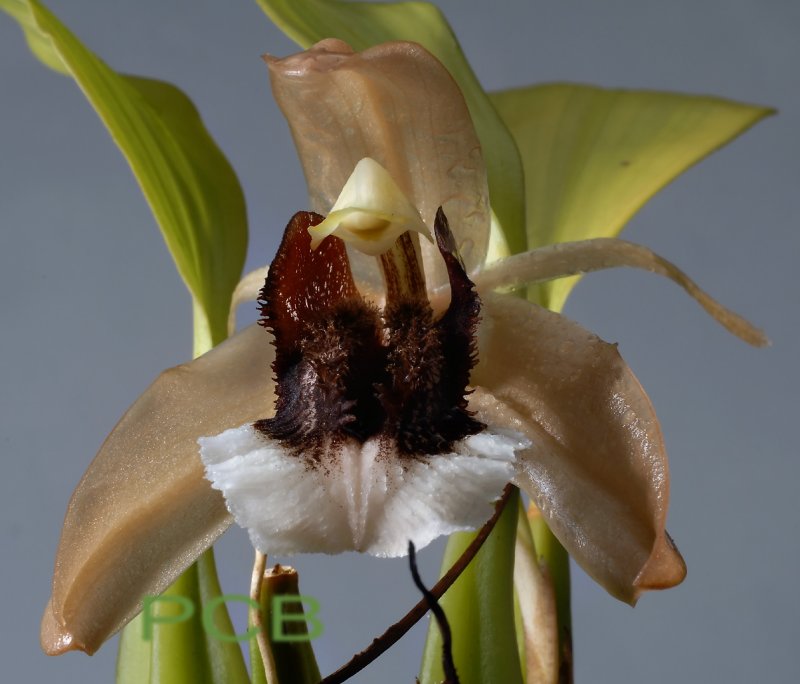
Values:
[(344, 369)]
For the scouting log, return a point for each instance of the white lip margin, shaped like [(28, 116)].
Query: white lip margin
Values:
[(360, 497)]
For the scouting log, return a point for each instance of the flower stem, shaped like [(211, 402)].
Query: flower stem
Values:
[(555, 559), (260, 649), (289, 655)]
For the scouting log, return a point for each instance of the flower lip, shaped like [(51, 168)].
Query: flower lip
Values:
[(371, 420), (346, 370), (359, 499)]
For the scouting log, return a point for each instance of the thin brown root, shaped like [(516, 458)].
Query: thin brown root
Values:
[(392, 635)]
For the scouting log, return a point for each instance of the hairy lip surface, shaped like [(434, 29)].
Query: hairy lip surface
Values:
[(346, 370), (372, 443)]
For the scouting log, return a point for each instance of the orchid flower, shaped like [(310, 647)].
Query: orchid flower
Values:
[(406, 390)]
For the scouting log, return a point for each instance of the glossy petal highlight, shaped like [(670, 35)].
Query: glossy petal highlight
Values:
[(143, 511), (597, 469)]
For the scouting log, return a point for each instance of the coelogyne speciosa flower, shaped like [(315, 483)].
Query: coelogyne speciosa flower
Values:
[(393, 393)]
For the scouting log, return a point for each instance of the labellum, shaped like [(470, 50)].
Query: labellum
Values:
[(371, 413), (346, 371)]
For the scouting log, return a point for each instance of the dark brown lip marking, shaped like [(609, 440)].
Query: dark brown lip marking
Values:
[(344, 370)]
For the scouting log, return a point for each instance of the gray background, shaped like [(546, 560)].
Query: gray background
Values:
[(92, 309)]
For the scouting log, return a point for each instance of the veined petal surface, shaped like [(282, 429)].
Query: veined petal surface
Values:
[(397, 104), (365, 24), (597, 468), (143, 511)]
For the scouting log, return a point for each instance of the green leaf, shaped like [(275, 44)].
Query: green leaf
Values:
[(177, 649), (134, 654), (480, 610), (364, 24), (225, 658), (183, 652), (592, 157), (190, 186), (199, 205)]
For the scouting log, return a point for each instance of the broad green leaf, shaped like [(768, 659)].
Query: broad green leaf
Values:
[(225, 658), (364, 24), (480, 610), (592, 157), (134, 655), (177, 655), (183, 652), (189, 185)]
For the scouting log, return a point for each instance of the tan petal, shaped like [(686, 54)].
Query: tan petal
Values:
[(144, 511), (247, 290), (397, 104), (597, 468), (583, 256)]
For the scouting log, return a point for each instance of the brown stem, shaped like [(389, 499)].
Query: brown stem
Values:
[(256, 587), (392, 635)]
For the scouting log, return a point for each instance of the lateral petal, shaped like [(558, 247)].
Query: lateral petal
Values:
[(597, 467), (396, 103), (143, 511), (573, 258)]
